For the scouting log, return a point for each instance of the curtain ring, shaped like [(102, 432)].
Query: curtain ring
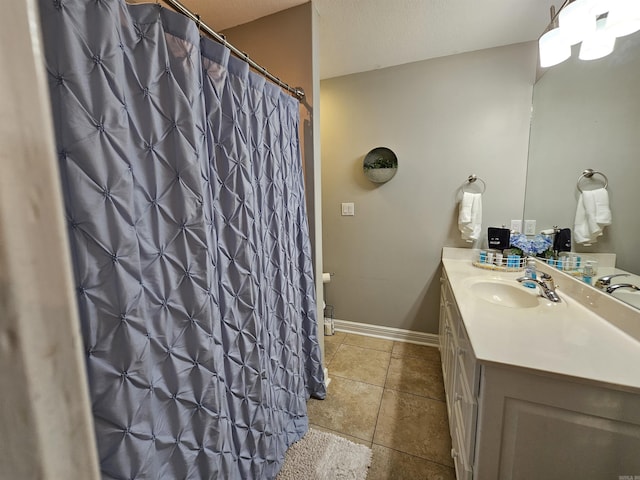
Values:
[(198, 22)]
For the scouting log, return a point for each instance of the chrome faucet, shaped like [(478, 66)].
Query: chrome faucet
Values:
[(613, 288), (546, 285), (604, 282)]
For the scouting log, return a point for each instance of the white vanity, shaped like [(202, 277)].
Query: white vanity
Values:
[(534, 389)]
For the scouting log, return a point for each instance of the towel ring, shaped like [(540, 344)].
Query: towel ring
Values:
[(588, 173), (472, 179)]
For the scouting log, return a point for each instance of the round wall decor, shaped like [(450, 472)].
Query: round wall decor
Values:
[(380, 165)]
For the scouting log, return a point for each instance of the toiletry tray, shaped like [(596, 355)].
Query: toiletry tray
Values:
[(573, 264), (489, 260)]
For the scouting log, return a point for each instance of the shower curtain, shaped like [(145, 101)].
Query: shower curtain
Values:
[(184, 197)]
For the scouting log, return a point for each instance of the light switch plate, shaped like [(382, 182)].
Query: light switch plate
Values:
[(516, 226), (529, 227), (348, 209)]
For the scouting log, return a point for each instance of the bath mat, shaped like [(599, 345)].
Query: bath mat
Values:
[(325, 456)]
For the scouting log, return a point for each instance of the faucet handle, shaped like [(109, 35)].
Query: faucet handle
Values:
[(548, 279), (605, 281), (613, 288)]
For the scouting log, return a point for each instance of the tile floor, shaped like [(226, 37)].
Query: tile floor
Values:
[(389, 396)]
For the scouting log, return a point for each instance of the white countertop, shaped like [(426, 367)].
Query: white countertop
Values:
[(566, 338)]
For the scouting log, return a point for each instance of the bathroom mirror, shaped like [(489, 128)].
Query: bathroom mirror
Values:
[(380, 165), (586, 114)]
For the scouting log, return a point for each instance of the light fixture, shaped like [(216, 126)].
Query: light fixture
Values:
[(599, 44), (595, 23), (624, 17), (554, 47), (577, 21)]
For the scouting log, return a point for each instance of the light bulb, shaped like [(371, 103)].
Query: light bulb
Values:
[(577, 20), (554, 48), (600, 7), (624, 17), (599, 44)]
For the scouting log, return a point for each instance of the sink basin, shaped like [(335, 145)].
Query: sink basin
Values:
[(632, 297), (505, 294)]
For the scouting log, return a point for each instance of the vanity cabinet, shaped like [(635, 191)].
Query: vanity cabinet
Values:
[(461, 379), (513, 423)]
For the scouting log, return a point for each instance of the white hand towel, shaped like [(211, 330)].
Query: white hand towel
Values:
[(603, 212), (580, 225), (592, 215), (470, 216), (590, 210), (466, 203)]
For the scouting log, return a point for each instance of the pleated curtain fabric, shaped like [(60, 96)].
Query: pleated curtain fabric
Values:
[(183, 190)]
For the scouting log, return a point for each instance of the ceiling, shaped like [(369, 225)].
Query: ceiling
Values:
[(363, 35)]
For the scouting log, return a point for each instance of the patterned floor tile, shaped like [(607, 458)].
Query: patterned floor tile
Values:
[(350, 408), (369, 342), (390, 464), (361, 364), (402, 349), (415, 425), (416, 375)]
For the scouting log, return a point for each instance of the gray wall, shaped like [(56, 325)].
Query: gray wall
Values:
[(445, 119)]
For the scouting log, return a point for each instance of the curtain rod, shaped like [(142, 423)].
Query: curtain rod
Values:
[(298, 92)]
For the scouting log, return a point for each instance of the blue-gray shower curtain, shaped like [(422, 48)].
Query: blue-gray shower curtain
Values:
[(184, 196)]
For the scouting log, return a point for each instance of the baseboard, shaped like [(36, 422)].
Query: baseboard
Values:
[(388, 333)]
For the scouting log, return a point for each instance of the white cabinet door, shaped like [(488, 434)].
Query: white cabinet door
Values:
[(534, 426)]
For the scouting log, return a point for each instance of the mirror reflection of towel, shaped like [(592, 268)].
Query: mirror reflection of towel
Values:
[(592, 215), (470, 216)]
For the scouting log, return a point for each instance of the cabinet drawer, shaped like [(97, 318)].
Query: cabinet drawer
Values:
[(465, 357), (463, 345), (441, 326), (463, 471), (465, 412), (448, 358)]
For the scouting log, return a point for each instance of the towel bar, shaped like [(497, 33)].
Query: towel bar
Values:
[(472, 179), (588, 173)]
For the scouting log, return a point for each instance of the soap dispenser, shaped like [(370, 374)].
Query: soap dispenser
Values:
[(588, 272), (530, 272)]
